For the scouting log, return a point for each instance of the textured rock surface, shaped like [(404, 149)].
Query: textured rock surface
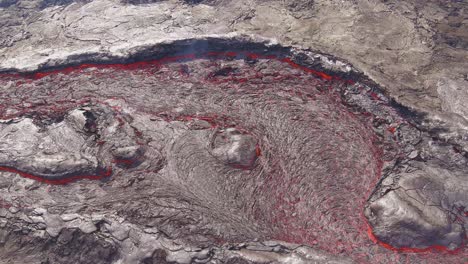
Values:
[(415, 49), (62, 148), (226, 148), (232, 149), (423, 207)]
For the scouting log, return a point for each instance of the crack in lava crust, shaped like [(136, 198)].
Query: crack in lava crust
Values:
[(319, 159), (71, 178)]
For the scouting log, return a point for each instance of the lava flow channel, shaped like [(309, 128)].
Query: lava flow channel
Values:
[(319, 159)]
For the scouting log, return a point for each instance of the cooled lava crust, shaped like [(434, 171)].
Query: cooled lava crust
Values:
[(242, 145)]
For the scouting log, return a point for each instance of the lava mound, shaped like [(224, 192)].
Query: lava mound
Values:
[(59, 147), (228, 147)]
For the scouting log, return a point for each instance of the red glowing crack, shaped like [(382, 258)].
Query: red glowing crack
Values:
[(434, 248)]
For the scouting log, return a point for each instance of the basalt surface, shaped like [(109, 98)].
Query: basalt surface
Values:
[(222, 150), (212, 131)]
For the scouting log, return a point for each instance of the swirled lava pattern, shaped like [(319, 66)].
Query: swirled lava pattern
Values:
[(246, 146)]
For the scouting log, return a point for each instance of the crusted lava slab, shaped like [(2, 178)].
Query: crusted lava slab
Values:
[(419, 208), (61, 147), (220, 148)]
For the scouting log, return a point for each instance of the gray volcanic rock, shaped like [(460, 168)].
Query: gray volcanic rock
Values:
[(68, 147), (235, 149), (52, 160), (53, 151), (221, 131), (421, 207)]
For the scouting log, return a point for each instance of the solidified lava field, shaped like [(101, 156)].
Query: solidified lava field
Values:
[(218, 148)]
